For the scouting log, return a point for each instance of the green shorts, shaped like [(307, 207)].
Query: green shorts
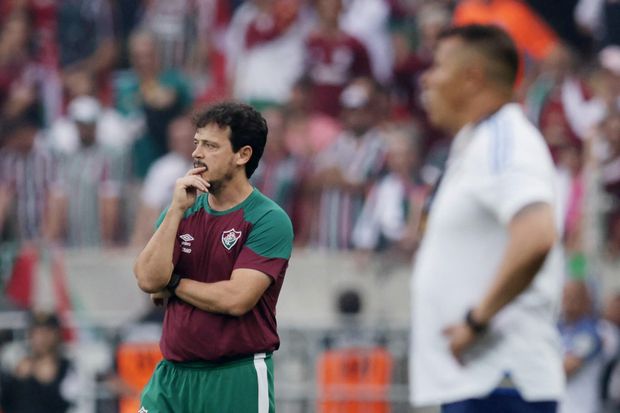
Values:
[(239, 386)]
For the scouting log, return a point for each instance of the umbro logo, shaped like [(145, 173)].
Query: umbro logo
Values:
[(186, 237), (143, 410), (186, 244)]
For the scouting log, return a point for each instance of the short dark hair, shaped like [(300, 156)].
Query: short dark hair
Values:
[(494, 44), (247, 128)]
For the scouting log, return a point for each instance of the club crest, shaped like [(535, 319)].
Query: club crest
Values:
[(230, 238)]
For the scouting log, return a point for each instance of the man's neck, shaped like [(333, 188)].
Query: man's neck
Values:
[(480, 108), (234, 193)]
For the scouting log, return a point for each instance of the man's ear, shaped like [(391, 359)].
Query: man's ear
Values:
[(475, 76), (243, 155)]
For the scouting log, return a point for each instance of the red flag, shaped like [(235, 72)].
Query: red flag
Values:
[(19, 288)]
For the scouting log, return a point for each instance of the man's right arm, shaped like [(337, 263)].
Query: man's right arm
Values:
[(154, 265)]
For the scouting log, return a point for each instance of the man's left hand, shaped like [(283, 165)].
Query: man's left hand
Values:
[(461, 337)]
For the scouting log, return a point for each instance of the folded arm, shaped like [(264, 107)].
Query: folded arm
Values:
[(233, 297)]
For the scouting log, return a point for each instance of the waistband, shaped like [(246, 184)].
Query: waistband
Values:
[(202, 364)]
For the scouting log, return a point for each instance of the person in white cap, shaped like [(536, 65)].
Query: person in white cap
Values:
[(345, 170), (109, 127), (85, 197)]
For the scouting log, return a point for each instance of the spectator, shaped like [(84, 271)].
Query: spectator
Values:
[(579, 329), (159, 183), (581, 102), (583, 107), (112, 129), (43, 43), (308, 132), (549, 110), (189, 35), (147, 92), (26, 175), (173, 24), (265, 44), (44, 380), (333, 58), (410, 59), (279, 175), (367, 20), (20, 77), (213, 20), (85, 206), (127, 17), (601, 225), (549, 105), (345, 171), (392, 210), (42, 17), (85, 35)]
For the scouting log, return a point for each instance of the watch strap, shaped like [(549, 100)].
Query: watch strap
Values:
[(172, 285), (476, 326)]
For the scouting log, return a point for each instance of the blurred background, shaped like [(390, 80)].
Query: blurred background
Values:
[(96, 98)]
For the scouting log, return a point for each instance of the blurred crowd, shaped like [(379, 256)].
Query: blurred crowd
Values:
[(96, 98)]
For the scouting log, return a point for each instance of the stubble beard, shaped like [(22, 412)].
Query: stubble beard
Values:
[(218, 185)]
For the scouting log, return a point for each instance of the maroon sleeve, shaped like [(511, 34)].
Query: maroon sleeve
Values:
[(273, 267)]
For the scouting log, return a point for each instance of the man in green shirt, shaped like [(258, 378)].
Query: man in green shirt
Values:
[(219, 255)]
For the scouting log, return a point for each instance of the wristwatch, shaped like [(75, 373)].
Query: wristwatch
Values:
[(476, 326), (172, 285)]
